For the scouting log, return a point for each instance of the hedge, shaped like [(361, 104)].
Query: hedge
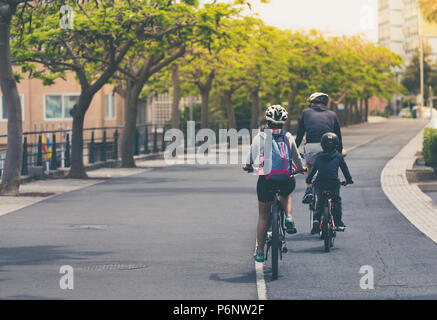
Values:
[(430, 147)]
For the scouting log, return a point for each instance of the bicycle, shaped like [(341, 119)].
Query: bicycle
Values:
[(327, 225), (276, 230)]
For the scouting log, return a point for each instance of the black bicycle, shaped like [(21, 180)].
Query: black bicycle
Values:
[(275, 240), (327, 225)]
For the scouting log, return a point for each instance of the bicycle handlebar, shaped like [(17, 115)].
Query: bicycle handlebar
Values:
[(345, 183), (293, 172)]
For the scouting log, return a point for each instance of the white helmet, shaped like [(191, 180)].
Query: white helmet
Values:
[(276, 114), (319, 97)]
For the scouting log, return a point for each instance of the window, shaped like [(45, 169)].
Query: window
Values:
[(58, 106), (4, 111), (110, 107)]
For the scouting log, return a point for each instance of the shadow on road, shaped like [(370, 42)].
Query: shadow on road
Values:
[(249, 277), (182, 190), (39, 255)]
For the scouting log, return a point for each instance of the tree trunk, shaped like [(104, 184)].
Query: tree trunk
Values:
[(227, 97), (366, 110), (11, 177), (204, 113), (346, 113), (254, 122), (176, 96), (205, 89), (291, 108), (77, 170), (133, 91)]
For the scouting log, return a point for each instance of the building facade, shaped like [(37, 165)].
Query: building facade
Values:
[(399, 24), (48, 107)]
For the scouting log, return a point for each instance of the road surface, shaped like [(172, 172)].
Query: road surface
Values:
[(188, 232)]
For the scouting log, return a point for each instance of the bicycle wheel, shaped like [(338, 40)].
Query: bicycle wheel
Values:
[(326, 230), (276, 242), (312, 212)]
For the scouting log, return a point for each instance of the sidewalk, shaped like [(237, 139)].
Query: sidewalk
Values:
[(408, 198), (36, 191)]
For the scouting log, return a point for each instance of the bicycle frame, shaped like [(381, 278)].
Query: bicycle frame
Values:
[(276, 235), (327, 224)]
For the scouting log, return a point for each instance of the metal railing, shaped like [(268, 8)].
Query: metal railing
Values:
[(99, 144)]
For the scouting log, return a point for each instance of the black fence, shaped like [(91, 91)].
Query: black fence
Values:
[(51, 149)]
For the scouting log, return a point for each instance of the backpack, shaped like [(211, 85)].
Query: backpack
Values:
[(280, 160)]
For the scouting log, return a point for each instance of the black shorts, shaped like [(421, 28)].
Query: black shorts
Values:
[(266, 189)]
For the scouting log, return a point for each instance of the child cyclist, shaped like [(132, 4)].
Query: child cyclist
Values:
[(326, 166), (275, 174)]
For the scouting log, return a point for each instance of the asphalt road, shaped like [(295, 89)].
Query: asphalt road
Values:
[(188, 232)]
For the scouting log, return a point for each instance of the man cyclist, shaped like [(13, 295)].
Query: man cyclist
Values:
[(315, 122), (275, 116)]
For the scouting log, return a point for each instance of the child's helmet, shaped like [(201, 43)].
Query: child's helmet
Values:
[(329, 142)]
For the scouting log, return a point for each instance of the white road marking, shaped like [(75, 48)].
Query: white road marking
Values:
[(260, 281)]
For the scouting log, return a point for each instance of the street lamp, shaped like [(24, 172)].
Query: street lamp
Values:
[(422, 80)]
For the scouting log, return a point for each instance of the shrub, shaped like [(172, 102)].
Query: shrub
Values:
[(379, 113), (430, 147)]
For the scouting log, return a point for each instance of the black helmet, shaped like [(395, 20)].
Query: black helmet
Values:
[(329, 142)]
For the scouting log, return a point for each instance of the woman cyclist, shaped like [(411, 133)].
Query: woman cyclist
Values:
[(267, 184)]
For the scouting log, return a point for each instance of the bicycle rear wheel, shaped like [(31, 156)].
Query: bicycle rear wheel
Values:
[(326, 230), (312, 212), (276, 242)]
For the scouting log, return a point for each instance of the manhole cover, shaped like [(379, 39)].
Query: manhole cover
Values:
[(115, 266), (87, 227)]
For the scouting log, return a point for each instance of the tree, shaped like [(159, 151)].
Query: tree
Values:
[(12, 168), (103, 34), (185, 26), (144, 60), (429, 9), (411, 77), (231, 69)]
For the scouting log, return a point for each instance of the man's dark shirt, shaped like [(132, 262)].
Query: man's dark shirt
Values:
[(315, 122)]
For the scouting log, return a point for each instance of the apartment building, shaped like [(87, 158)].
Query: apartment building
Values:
[(48, 107), (399, 23)]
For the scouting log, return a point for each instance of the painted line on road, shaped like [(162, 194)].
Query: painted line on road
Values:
[(260, 282), (261, 287)]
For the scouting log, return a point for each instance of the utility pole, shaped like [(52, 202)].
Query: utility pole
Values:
[(430, 102), (422, 79)]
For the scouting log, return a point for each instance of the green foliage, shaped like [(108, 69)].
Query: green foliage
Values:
[(429, 9), (411, 77), (379, 113), (244, 54), (430, 147)]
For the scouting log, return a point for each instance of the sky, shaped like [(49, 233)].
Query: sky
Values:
[(334, 17)]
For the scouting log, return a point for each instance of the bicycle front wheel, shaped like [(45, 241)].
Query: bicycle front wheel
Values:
[(276, 242)]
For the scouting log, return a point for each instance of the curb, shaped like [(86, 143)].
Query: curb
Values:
[(415, 205), (63, 172)]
